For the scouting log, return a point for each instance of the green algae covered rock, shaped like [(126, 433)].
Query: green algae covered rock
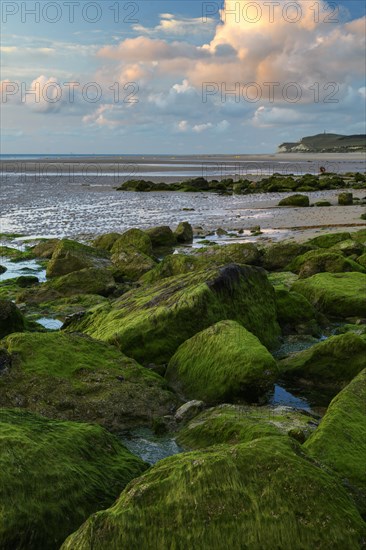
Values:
[(262, 495), (73, 377), (233, 424), (172, 265), (345, 199), (54, 475), (332, 362), (320, 261), (85, 281), (222, 363), (282, 279), (349, 247), (328, 240), (337, 294), (45, 248), (295, 200), (136, 238), (69, 256), (161, 236), (106, 241), (239, 253), (278, 256), (340, 440), (184, 233), (151, 322), (130, 262), (11, 318), (362, 260), (293, 309)]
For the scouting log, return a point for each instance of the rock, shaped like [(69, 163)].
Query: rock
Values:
[(282, 280), (338, 294), (293, 309), (161, 236), (345, 199), (85, 281), (266, 493), (2, 269), (278, 256), (173, 265), (106, 241), (70, 256), (320, 261), (189, 410), (150, 323), (232, 424), (295, 200), (328, 240), (72, 377), (25, 281), (54, 475), (222, 363), (11, 319), (349, 247), (130, 262), (239, 253), (136, 185), (184, 233), (135, 238), (362, 260), (333, 362), (323, 203), (340, 440), (45, 249)]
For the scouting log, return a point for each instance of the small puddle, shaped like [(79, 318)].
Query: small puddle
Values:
[(50, 324), (149, 447), (17, 269), (283, 397)]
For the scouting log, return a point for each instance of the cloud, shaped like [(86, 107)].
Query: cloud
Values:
[(173, 25)]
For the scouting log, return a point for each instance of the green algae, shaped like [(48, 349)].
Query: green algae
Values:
[(222, 363), (295, 200), (337, 294), (54, 475), (293, 308), (340, 440), (328, 240), (332, 362), (319, 261), (136, 238), (150, 323), (264, 494), (70, 256), (106, 241), (11, 318), (277, 256), (130, 262)]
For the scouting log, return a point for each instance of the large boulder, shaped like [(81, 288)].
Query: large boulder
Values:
[(130, 262), (334, 361), (45, 248), (150, 323), (328, 240), (337, 294), (72, 377), (85, 281), (106, 241), (340, 440), (233, 424), (320, 261), (136, 238), (294, 311), (184, 233), (264, 494), (295, 200), (349, 247), (222, 363), (54, 475), (11, 319), (173, 265), (69, 256), (161, 236)]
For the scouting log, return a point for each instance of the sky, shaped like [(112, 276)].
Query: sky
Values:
[(179, 77)]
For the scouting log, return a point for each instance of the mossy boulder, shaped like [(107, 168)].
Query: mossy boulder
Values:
[(161, 236), (340, 440), (222, 363), (328, 240), (323, 203), (333, 362), (130, 262), (265, 494), (277, 256), (282, 279), (135, 238), (295, 200), (336, 294), (362, 260), (150, 323), (239, 253), (54, 475), (323, 261), (11, 318), (345, 199), (106, 241), (72, 377), (85, 281), (2, 269), (232, 424), (184, 233), (70, 256), (172, 265), (349, 247), (293, 310), (45, 248)]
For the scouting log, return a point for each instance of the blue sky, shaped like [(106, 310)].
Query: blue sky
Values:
[(167, 80)]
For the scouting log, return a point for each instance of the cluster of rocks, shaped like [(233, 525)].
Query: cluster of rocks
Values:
[(184, 342)]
